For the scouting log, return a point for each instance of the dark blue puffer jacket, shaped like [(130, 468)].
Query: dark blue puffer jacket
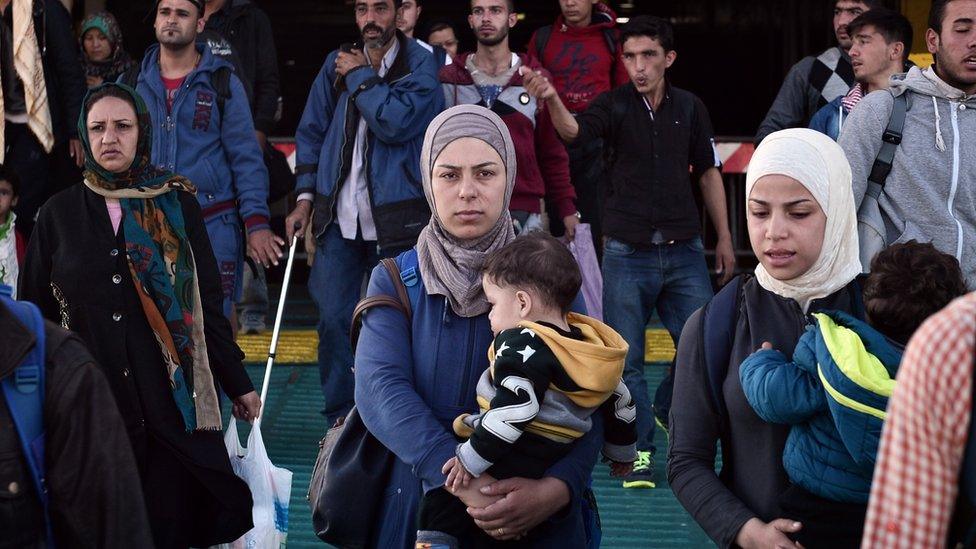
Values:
[(834, 393)]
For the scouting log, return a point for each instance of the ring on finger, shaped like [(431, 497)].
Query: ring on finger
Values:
[(500, 531)]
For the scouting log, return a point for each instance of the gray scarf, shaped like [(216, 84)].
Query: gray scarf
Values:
[(451, 266)]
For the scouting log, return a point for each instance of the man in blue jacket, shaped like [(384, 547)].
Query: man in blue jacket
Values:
[(208, 137), (358, 154)]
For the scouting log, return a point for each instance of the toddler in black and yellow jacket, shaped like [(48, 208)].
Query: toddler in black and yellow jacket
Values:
[(550, 370)]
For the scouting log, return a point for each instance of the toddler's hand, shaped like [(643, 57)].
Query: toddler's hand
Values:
[(618, 469), (766, 346), (457, 476)]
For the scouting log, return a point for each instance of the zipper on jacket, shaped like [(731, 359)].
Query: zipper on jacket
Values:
[(469, 364), (342, 165), (955, 177)]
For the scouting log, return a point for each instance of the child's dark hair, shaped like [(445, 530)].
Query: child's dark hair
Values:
[(10, 176), (908, 283), (540, 262)]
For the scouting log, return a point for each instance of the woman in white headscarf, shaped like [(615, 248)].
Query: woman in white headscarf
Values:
[(413, 379), (803, 229)]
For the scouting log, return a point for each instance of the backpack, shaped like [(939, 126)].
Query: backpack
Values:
[(219, 80), (963, 527), (871, 229), (23, 391), (544, 33)]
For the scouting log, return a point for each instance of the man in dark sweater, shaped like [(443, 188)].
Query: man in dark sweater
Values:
[(653, 256), (815, 81), (580, 51)]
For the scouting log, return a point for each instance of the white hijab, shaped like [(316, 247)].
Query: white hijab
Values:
[(819, 164)]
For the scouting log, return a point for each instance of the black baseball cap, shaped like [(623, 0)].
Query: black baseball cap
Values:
[(197, 3)]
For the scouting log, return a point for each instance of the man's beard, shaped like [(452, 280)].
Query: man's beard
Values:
[(383, 40), (494, 40), (175, 42)]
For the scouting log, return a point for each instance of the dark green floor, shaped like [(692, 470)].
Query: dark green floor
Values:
[(292, 428)]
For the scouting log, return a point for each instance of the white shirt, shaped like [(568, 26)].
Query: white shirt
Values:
[(353, 208)]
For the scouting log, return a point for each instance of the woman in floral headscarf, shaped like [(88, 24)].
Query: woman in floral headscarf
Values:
[(124, 260), (102, 55)]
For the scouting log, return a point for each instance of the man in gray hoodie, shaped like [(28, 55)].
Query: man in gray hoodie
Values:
[(930, 194)]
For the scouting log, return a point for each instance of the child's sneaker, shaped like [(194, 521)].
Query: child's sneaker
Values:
[(643, 474)]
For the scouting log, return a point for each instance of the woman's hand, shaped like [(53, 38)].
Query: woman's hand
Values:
[(757, 534), (524, 505), (247, 407), (94, 81)]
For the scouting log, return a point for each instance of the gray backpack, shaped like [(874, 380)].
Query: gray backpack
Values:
[(872, 232)]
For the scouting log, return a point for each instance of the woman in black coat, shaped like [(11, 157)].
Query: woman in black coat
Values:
[(124, 260)]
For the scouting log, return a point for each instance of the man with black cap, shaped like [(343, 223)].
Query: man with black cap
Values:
[(358, 144), (205, 132)]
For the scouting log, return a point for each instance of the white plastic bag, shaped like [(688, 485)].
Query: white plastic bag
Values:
[(270, 488)]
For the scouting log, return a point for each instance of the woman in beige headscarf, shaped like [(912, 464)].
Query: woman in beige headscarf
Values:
[(803, 229), (413, 379)]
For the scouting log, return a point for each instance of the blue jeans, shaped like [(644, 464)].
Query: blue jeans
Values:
[(671, 278), (335, 284), (226, 239)]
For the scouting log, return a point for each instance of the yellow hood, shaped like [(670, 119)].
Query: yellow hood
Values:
[(594, 363)]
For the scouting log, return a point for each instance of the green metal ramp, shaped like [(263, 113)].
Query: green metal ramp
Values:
[(293, 427)]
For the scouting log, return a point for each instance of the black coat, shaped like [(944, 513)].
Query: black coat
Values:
[(95, 495), (63, 75), (76, 272), (248, 30)]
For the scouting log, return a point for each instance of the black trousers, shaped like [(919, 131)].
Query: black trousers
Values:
[(26, 157), (826, 523)]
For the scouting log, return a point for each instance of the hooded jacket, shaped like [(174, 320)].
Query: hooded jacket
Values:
[(930, 194), (580, 60), (834, 393), (214, 148), (543, 164), (412, 380), (397, 109), (539, 392), (248, 29)]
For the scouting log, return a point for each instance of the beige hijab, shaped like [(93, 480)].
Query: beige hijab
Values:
[(451, 266), (819, 164)]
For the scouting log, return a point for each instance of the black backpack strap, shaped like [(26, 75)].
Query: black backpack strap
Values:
[(964, 521), (610, 35), (542, 40), (220, 80), (890, 141), (718, 322)]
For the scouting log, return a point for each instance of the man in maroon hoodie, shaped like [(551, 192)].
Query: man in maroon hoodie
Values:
[(490, 77), (580, 51)]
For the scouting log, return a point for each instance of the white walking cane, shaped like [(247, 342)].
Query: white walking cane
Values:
[(277, 328)]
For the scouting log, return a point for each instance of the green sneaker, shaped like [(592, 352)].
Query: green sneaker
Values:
[(643, 474)]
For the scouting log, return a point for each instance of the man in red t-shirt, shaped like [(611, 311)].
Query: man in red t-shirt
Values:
[(580, 51)]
